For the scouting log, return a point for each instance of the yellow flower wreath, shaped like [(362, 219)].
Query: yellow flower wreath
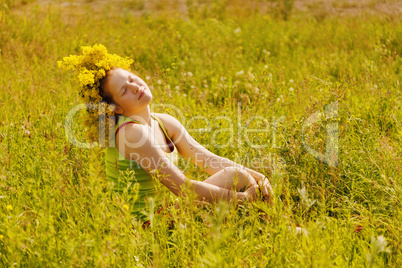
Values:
[(91, 67)]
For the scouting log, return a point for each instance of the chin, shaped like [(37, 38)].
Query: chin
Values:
[(149, 98)]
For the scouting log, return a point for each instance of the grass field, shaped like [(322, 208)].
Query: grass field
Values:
[(245, 83)]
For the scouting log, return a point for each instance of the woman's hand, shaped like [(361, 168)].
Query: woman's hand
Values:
[(250, 194), (266, 189), (263, 183)]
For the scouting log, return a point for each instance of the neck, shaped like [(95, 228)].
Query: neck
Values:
[(144, 117)]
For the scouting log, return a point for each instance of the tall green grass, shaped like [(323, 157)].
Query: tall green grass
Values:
[(57, 208)]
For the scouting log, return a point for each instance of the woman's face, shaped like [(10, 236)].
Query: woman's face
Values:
[(129, 92)]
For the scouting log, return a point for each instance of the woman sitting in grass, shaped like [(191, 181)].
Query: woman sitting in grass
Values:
[(147, 142)]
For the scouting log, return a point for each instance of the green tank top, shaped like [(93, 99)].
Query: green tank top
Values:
[(125, 173)]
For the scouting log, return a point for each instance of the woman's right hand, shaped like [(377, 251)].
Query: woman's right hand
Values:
[(250, 194)]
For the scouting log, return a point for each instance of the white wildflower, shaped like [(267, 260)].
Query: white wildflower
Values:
[(378, 245), (269, 77), (240, 73)]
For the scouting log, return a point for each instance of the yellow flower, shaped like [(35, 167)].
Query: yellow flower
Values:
[(86, 77), (9, 207), (125, 207), (1, 237), (91, 67)]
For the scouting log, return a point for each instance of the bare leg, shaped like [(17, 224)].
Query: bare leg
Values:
[(232, 178), (229, 178)]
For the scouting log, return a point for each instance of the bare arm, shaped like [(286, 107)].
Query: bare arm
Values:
[(135, 143), (197, 154)]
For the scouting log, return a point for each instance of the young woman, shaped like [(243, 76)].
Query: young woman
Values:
[(144, 142)]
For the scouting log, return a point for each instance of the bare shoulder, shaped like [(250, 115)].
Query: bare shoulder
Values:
[(132, 133), (167, 118), (171, 124)]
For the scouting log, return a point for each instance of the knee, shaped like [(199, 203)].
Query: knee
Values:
[(240, 174)]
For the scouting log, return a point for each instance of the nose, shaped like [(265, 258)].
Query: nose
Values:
[(135, 88)]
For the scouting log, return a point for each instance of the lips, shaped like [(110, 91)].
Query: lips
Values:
[(142, 93)]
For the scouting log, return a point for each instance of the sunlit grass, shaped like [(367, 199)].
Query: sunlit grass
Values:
[(57, 208)]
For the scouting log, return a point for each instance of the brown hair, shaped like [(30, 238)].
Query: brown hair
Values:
[(105, 94)]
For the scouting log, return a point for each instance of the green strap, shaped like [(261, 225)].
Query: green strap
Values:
[(163, 127)]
